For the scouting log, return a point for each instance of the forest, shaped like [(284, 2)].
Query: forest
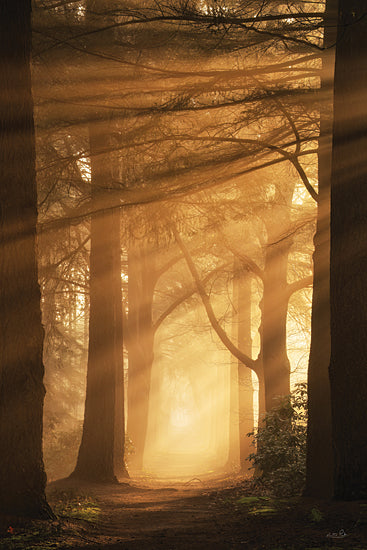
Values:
[(183, 274)]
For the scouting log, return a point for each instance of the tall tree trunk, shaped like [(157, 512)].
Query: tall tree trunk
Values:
[(245, 387), (119, 431), (22, 475), (274, 309), (348, 283), (241, 415), (101, 453), (319, 471), (233, 441), (140, 348)]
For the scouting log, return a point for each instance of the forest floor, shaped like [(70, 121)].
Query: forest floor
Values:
[(199, 514)]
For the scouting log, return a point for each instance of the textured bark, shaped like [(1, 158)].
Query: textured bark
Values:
[(22, 476), (140, 344), (348, 282), (101, 453), (319, 471)]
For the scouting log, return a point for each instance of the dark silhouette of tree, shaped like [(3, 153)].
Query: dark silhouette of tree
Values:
[(101, 453), (22, 476), (348, 282), (319, 471)]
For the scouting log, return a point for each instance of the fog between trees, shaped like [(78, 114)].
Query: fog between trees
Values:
[(188, 124), (181, 178)]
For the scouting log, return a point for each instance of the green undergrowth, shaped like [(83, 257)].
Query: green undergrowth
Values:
[(28, 538), (68, 506), (262, 505), (280, 458), (313, 520), (316, 515)]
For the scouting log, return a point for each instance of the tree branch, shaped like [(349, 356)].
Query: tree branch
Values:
[(184, 297), (222, 335), (298, 285)]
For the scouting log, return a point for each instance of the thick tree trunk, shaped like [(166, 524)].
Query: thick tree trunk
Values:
[(140, 348), (319, 471), (348, 283), (22, 476), (101, 453)]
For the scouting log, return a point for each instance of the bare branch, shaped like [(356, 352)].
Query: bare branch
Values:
[(245, 359)]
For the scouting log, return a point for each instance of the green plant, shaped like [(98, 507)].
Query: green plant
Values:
[(30, 537), (280, 460), (70, 504), (316, 515), (82, 508)]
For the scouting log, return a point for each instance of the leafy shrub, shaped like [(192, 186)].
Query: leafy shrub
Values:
[(280, 460)]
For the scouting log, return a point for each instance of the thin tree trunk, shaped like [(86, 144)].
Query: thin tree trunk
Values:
[(119, 433), (274, 308), (348, 283), (22, 475), (140, 349), (242, 404), (233, 428)]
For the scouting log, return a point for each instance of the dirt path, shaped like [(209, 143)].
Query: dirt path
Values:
[(216, 515), (171, 517), (206, 516)]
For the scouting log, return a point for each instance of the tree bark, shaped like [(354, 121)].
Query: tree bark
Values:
[(319, 471), (22, 475), (348, 282), (101, 453)]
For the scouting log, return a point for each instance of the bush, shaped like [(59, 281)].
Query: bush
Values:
[(280, 460)]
